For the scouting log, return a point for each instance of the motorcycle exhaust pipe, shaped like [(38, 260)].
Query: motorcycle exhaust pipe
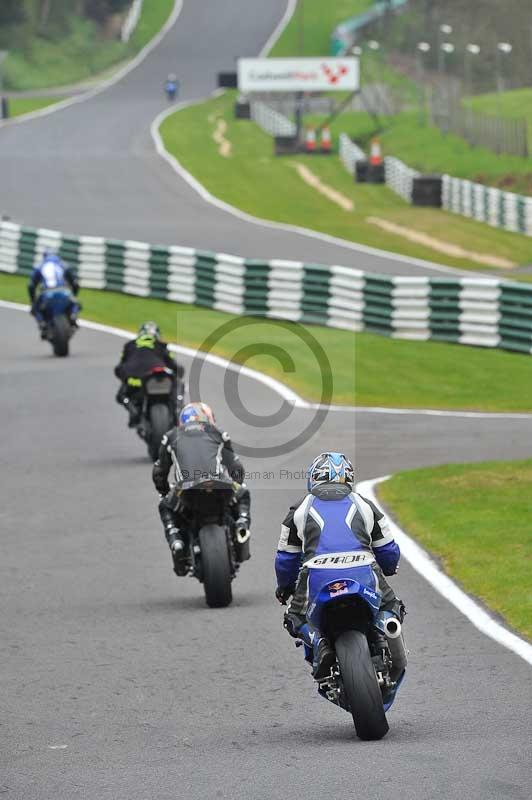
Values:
[(392, 628)]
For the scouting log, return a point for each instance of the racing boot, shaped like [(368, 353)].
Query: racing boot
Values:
[(242, 524), (324, 658), (178, 550)]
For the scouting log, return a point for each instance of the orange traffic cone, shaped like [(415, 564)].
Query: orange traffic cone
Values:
[(326, 141), (310, 140), (375, 154)]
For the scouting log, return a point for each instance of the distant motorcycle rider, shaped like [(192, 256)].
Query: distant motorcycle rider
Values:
[(51, 273), (139, 357), (196, 448), (171, 86), (331, 518)]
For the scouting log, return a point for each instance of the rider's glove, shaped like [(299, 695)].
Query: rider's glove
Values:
[(292, 624), (283, 594)]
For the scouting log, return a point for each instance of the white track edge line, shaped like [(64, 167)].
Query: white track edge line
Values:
[(276, 386), (421, 561), (106, 84), (276, 33)]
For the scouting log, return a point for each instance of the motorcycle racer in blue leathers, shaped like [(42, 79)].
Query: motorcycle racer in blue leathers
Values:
[(331, 518), (50, 274)]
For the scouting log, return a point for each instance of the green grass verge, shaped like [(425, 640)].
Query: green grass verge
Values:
[(368, 370), (426, 149), (188, 135), (24, 105), (80, 54), (474, 518), (316, 21)]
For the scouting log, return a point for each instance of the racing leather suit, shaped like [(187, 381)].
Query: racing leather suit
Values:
[(50, 274), (139, 357), (333, 518), (198, 450)]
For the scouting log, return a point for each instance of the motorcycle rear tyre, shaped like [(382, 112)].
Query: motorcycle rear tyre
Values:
[(360, 683), (216, 566), (160, 423), (60, 335)]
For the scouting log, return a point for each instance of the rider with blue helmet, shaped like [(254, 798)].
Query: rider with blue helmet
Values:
[(51, 273), (331, 518), (196, 449)]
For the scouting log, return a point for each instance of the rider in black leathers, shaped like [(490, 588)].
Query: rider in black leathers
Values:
[(139, 356), (198, 449)]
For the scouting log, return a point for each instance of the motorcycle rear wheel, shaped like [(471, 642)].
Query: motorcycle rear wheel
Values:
[(360, 684), (216, 566), (60, 335), (160, 423)]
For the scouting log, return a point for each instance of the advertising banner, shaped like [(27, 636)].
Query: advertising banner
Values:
[(298, 74)]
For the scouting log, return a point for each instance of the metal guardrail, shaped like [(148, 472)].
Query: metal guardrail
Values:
[(506, 210), (474, 311), (350, 153), (399, 177), (346, 33), (272, 121)]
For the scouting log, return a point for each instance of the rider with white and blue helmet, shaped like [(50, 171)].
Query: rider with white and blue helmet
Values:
[(51, 273), (332, 517)]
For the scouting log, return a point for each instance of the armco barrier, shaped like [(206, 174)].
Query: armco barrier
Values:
[(272, 121), (507, 210), (350, 153), (399, 177), (477, 311), (346, 33)]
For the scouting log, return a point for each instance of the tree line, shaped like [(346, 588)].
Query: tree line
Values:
[(20, 19)]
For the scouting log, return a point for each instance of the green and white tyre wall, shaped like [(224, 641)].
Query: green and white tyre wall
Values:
[(475, 311)]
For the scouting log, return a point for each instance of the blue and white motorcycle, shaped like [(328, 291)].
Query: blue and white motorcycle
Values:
[(57, 317), (343, 606)]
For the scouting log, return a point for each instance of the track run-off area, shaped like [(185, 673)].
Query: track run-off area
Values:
[(118, 681)]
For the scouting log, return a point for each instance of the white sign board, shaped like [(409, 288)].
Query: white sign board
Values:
[(298, 74)]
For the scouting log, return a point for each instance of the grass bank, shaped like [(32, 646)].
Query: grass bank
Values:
[(367, 370), (476, 519), (24, 105), (309, 31), (188, 135), (81, 53), (424, 148)]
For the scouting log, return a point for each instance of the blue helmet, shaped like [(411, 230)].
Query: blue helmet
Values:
[(330, 468), (196, 412)]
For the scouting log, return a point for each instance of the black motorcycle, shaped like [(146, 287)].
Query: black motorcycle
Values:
[(160, 407), (215, 547)]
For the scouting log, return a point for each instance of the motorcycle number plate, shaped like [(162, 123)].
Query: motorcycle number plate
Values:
[(340, 560), (159, 386)]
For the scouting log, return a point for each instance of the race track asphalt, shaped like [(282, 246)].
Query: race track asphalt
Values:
[(118, 682), (92, 168), (156, 696)]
